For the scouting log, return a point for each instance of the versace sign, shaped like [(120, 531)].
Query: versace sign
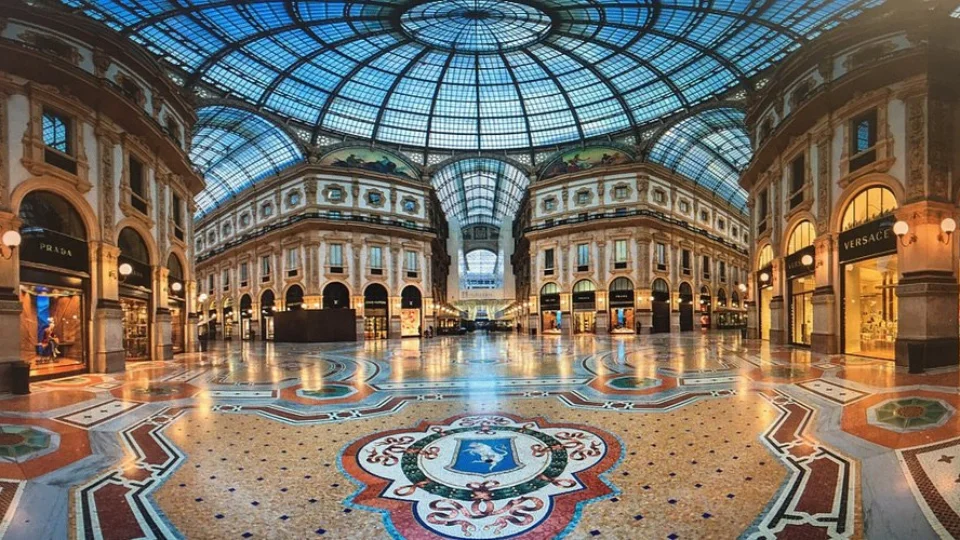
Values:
[(869, 240), (794, 263)]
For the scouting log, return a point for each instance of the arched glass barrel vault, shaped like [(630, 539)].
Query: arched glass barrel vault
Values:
[(512, 75), (478, 191)]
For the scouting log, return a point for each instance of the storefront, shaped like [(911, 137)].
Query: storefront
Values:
[(136, 294), (765, 295), (247, 332), (660, 304), (267, 307), (336, 296), (706, 308), (800, 286), (54, 286), (411, 305), (870, 270), (176, 301), (584, 307), (212, 322), (229, 319), (376, 312), (686, 307), (622, 312), (551, 318), (728, 318)]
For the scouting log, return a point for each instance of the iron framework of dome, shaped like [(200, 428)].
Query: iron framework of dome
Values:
[(471, 74)]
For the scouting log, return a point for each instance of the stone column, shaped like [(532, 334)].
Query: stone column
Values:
[(778, 334), (162, 323), (825, 338), (927, 293), (191, 336), (107, 355), (10, 307)]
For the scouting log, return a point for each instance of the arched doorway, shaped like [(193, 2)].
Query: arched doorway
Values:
[(136, 294), (411, 305), (551, 319), (799, 270), (721, 298), (176, 301), (294, 298), (584, 307), (336, 296), (376, 312), (706, 308), (212, 322), (228, 319), (870, 273), (246, 317), (686, 307), (764, 289), (622, 312), (660, 303), (54, 285), (268, 303)]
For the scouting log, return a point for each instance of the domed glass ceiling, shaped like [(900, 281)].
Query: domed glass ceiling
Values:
[(711, 148), (471, 74)]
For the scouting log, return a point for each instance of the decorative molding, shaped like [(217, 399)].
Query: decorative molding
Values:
[(329, 200), (916, 147), (4, 160), (368, 197), (52, 45), (824, 160), (939, 152)]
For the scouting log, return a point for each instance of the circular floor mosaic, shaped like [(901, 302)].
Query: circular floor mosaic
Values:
[(482, 476)]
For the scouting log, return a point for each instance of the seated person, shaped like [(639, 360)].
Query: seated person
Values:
[(49, 342)]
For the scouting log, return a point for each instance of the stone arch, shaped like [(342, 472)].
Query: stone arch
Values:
[(68, 193), (145, 235), (854, 189)]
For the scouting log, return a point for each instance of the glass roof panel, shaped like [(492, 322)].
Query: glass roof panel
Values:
[(234, 149), (472, 74), (711, 148), (480, 190)]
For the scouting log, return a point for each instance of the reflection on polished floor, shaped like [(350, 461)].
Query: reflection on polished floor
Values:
[(679, 436)]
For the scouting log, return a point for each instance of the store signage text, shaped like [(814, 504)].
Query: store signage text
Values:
[(868, 240)]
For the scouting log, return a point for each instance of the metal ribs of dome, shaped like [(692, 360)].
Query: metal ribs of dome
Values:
[(472, 74)]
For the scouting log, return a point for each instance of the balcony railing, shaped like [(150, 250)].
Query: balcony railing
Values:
[(637, 213)]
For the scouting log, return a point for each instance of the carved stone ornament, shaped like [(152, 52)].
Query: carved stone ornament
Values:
[(916, 143), (583, 197), (621, 191), (869, 55), (375, 198), (4, 180), (52, 45), (549, 204), (330, 194), (823, 182), (939, 148), (409, 205)]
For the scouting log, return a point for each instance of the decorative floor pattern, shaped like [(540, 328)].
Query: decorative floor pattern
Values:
[(692, 436)]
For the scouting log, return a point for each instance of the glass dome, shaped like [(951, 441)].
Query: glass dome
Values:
[(471, 74)]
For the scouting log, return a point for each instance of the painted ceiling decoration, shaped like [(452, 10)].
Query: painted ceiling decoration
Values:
[(459, 75), (478, 191), (583, 159), (370, 159), (711, 148)]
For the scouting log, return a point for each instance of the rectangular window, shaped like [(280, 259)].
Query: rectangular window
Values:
[(177, 216), (376, 259), (57, 131), (620, 251), (798, 174), (411, 263), (661, 256), (226, 279), (863, 140), (210, 283), (293, 258), (685, 207), (705, 263), (335, 194), (723, 271), (620, 192), (265, 265), (548, 262), (685, 261), (583, 257), (762, 212), (244, 274), (336, 258), (138, 188)]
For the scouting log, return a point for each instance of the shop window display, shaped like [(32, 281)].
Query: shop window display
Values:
[(870, 307), (136, 336), (51, 327)]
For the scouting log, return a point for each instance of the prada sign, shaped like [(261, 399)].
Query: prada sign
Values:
[(621, 298), (868, 240), (794, 263), (140, 277), (549, 302), (54, 249), (589, 297)]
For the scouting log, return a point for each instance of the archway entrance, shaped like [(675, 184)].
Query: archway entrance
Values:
[(54, 285), (267, 307), (294, 298), (411, 304), (228, 319), (176, 301), (246, 317), (551, 319), (686, 307), (584, 307), (622, 312), (660, 303), (336, 296), (706, 311), (136, 294), (376, 312)]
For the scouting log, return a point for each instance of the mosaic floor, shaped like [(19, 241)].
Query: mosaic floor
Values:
[(693, 436)]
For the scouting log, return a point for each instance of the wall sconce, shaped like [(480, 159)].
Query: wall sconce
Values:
[(8, 243), (742, 287), (806, 260), (901, 229), (947, 227), (125, 270), (764, 277), (177, 286), (202, 298)]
